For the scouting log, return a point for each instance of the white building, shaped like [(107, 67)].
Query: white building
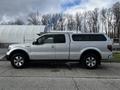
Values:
[(19, 33)]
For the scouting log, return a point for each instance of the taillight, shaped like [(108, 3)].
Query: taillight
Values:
[(109, 47)]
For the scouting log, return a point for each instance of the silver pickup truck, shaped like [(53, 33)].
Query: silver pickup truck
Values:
[(88, 49)]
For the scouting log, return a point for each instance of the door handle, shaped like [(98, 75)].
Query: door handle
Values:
[(52, 46)]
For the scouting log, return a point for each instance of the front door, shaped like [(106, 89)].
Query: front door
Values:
[(44, 49)]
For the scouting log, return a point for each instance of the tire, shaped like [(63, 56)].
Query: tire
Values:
[(18, 61), (90, 61)]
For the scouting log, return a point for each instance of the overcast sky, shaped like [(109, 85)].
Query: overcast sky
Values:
[(17, 7)]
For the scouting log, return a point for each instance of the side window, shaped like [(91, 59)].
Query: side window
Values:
[(98, 38), (59, 38), (39, 40), (88, 37), (80, 37), (49, 40), (46, 39)]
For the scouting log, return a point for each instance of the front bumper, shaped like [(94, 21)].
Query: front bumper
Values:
[(7, 57)]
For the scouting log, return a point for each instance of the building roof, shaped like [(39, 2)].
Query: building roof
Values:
[(19, 33)]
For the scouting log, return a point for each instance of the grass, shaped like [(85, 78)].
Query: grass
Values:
[(116, 57)]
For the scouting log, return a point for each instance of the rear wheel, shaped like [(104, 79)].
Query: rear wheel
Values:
[(18, 60), (90, 61)]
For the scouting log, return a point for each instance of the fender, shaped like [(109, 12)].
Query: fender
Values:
[(90, 48), (14, 49)]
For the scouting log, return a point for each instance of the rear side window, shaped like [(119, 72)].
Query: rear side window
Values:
[(59, 38), (88, 37)]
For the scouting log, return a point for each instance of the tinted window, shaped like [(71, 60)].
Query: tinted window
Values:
[(88, 37), (59, 38), (49, 40), (46, 39)]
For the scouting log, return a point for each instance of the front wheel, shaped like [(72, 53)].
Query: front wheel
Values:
[(18, 60), (90, 61)]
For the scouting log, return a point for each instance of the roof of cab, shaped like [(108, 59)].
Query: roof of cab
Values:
[(67, 33)]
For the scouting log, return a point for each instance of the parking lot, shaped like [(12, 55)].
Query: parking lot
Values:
[(42, 76), (55, 76)]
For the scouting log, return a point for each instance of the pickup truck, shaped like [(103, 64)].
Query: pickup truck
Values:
[(87, 49)]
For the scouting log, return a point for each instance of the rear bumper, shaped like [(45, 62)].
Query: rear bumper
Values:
[(110, 57), (107, 56)]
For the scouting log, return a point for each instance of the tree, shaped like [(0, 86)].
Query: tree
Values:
[(84, 22), (78, 21), (116, 11), (103, 18), (89, 21), (56, 18), (46, 19), (60, 23), (71, 23), (95, 20), (18, 22), (34, 19), (110, 23)]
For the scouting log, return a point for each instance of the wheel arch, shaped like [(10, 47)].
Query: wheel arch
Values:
[(19, 51), (94, 51)]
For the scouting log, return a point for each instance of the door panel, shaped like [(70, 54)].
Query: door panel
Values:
[(44, 48), (53, 47), (62, 46), (45, 52), (62, 51)]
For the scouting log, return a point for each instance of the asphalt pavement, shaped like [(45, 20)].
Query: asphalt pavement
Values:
[(55, 76)]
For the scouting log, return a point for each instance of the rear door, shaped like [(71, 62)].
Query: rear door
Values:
[(61, 46)]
